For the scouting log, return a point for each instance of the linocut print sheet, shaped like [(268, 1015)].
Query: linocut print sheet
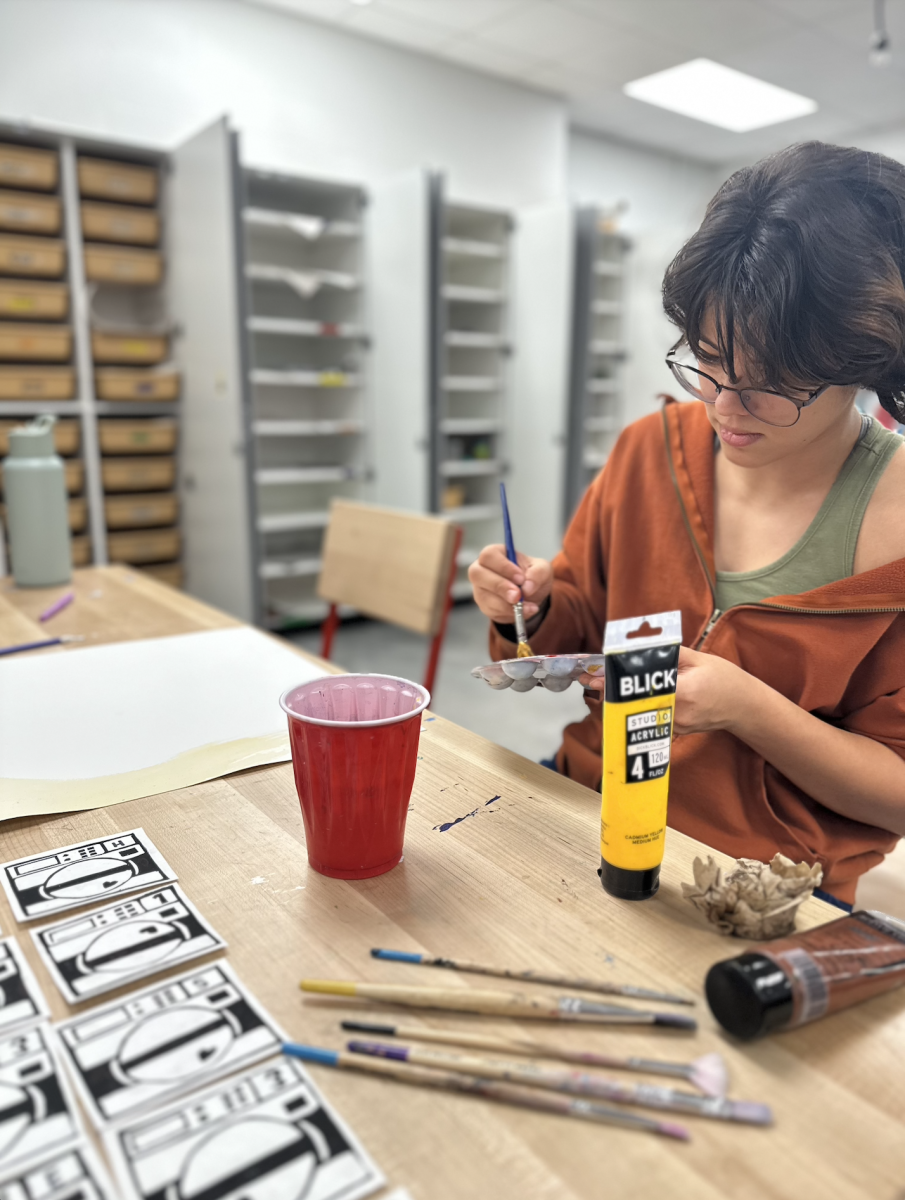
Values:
[(135, 1052), (21, 1000), (80, 874), (37, 1111), (264, 1135), (100, 950), (74, 1174)]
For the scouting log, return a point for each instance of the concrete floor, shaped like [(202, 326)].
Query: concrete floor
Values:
[(530, 723)]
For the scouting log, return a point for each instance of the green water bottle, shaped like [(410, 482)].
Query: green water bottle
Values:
[(37, 520)]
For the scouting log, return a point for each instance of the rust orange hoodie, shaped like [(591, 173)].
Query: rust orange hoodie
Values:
[(642, 542)]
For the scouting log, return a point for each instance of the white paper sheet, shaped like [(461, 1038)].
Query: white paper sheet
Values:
[(74, 1174), (96, 726)]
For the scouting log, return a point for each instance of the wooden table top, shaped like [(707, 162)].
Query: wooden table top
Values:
[(516, 884)]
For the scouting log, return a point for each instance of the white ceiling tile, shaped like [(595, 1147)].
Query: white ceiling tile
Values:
[(454, 15), (472, 52), (815, 12), (375, 21), (543, 29), (320, 10), (700, 25)]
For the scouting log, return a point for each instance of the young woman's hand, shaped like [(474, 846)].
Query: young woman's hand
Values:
[(711, 692), (498, 584)]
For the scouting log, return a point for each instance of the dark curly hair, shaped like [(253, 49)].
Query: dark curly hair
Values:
[(799, 261)]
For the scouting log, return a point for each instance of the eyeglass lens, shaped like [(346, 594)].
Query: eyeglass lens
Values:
[(765, 406)]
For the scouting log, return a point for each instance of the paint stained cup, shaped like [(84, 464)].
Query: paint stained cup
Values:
[(354, 741)]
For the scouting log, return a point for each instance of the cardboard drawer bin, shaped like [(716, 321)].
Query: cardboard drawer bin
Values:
[(78, 514), (170, 573), (21, 299), (138, 474), (107, 180), (128, 348), (125, 383), (120, 436), (143, 545), (27, 212), (122, 264), (81, 551), (138, 511), (37, 383), (35, 343), (45, 257), (66, 435), (24, 167), (120, 223)]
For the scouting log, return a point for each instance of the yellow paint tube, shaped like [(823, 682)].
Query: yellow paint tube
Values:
[(642, 658)]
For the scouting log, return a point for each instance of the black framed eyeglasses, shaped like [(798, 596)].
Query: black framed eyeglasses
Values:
[(769, 407)]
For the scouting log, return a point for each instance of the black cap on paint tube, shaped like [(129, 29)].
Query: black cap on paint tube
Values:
[(749, 995), (629, 885)]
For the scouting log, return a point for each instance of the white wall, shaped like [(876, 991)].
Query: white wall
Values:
[(306, 98), (666, 198)]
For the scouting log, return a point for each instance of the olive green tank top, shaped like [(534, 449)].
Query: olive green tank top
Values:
[(825, 552)]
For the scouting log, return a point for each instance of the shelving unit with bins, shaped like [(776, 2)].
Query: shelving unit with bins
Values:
[(471, 367), (79, 234), (307, 348), (598, 349)]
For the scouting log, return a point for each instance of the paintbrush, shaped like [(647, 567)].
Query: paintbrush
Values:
[(644, 1095), (707, 1073), (523, 650), (507, 1093), (501, 1004), (54, 641), (581, 985)]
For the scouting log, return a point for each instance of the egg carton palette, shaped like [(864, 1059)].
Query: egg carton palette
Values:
[(555, 672)]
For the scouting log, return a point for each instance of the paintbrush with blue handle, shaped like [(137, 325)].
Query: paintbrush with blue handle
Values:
[(523, 650)]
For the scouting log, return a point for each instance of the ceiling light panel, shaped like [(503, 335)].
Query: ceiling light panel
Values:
[(718, 95)]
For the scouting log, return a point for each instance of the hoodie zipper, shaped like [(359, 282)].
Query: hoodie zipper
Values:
[(717, 612)]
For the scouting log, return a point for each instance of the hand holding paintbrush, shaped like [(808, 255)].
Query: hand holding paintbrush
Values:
[(518, 612)]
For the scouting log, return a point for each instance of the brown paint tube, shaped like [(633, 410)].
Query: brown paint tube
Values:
[(792, 981)]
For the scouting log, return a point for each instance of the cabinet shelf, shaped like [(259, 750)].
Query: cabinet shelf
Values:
[(303, 225), (268, 377), (470, 425), (608, 267), (605, 424), (305, 283), (603, 387), (467, 339), (274, 476), (607, 348), (460, 293), (457, 467), (290, 327), (466, 556), (470, 383), (289, 568), (290, 522), (593, 460), (458, 247), (607, 308), (292, 428), (471, 512)]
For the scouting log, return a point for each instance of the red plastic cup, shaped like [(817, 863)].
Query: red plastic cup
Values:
[(354, 741)]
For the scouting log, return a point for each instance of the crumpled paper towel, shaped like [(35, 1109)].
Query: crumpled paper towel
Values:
[(757, 900)]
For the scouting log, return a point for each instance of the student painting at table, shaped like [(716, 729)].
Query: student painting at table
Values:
[(772, 514)]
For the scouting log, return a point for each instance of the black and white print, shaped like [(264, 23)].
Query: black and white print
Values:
[(37, 1112), (132, 939), (151, 1045), (21, 1000), (80, 874), (74, 1174), (264, 1135)]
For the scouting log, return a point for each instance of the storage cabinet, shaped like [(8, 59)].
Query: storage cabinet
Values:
[(84, 331)]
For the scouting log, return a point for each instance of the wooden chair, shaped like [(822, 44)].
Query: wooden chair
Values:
[(396, 566)]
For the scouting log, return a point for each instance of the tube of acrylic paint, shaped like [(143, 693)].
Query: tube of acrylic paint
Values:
[(642, 658), (795, 980)]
